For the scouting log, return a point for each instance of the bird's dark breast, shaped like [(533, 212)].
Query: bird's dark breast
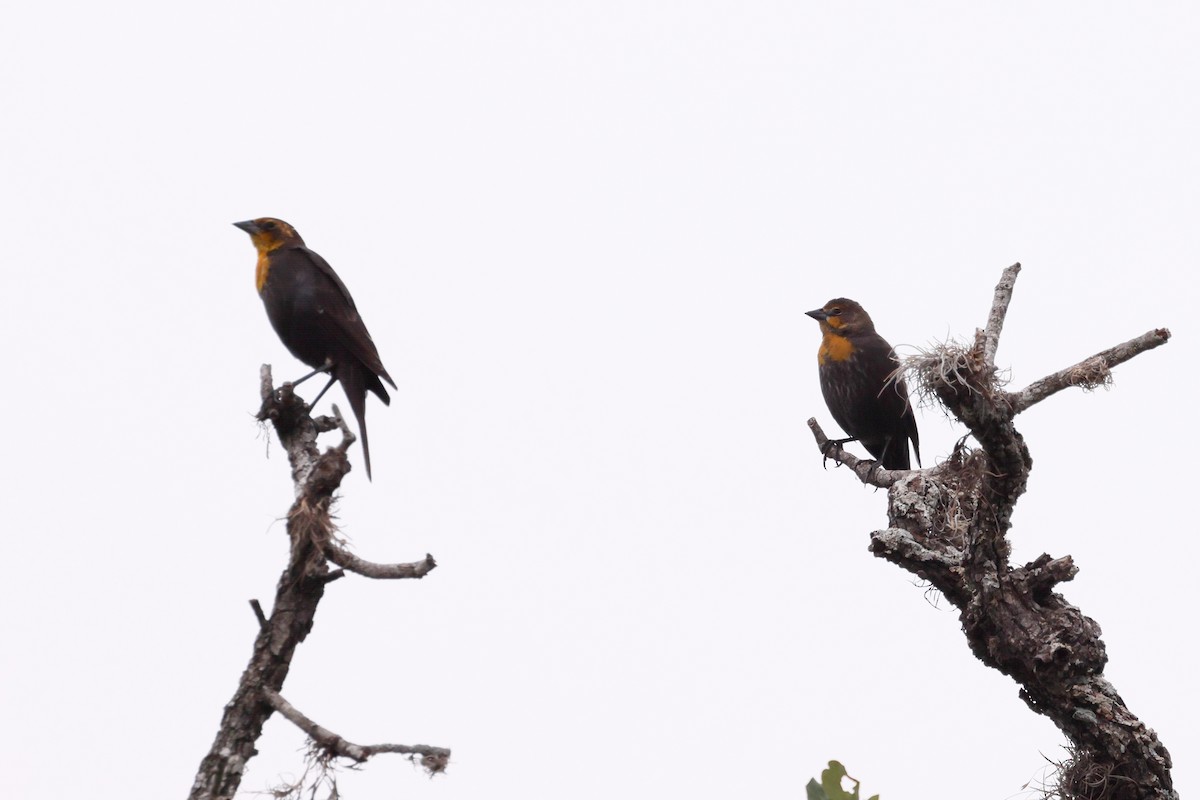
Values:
[(853, 398), (295, 296), (862, 399)]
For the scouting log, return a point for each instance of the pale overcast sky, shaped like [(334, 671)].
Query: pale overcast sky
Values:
[(582, 235)]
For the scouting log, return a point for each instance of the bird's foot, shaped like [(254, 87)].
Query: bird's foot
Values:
[(830, 446)]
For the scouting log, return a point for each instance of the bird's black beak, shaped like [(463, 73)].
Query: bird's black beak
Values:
[(248, 226), (818, 314)]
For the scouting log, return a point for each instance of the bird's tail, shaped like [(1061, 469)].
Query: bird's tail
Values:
[(374, 384), (893, 453), (354, 384)]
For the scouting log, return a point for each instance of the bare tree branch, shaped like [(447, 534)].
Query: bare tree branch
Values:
[(995, 324), (369, 569), (867, 471), (929, 560), (948, 525), (317, 477), (1090, 373), (434, 759)]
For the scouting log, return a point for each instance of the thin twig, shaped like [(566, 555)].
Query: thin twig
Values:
[(258, 612), (348, 436)]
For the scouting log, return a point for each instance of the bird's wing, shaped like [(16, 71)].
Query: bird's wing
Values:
[(878, 359), (323, 266), (894, 394), (345, 324)]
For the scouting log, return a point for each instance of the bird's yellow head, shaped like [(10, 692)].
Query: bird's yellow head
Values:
[(840, 319), (268, 235)]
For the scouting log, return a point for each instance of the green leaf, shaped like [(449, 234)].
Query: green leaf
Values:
[(831, 785), (815, 792), (831, 782)]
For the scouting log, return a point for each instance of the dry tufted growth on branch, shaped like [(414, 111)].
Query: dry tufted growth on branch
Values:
[(948, 525), (314, 546)]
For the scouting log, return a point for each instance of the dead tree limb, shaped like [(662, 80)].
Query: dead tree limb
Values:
[(433, 759), (948, 525), (314, 544)]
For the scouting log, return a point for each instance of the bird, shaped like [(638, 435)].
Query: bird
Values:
[(866, 396), (315, 317)]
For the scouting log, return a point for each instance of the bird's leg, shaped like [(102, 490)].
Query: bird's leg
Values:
[(321, 393), (328, 365), (832, 443)]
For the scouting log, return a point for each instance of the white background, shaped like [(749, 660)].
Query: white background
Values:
[(583, 235)]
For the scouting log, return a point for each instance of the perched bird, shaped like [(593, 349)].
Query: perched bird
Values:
[(315, 317), (868, 402)]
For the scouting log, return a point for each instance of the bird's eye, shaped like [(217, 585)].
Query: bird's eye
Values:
[(268, 226), (835, 312)]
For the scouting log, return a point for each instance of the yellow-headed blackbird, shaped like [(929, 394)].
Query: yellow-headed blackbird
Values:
[(315, 317), (857, 366)]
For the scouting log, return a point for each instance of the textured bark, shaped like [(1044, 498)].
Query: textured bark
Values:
[(313, 545), (948, 525)]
